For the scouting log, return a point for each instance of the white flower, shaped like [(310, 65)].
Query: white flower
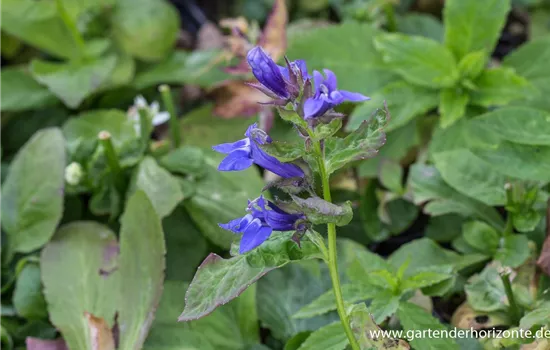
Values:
[(74, 173), (158, 117)]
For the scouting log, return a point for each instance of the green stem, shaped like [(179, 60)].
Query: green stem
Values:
[(112, 159), (71, 26), (514, 311), (169, 105), (145, 128), (509, 228), (332, 258), (390, 17)]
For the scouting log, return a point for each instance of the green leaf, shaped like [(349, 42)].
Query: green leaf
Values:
[(472, 25), (72, 82), (82, 255), (160, 186), (500, 86), (147, 29), (39, 25), (391, 176), (360, 144), (383, 306), (187, 160), (28, 299), (528, 126), (141, 265), (32, 203), (290, 288), (420, 61), (323, 131), (485, 292), (452, 105), (472, 176), (471, 65), (414, 318), (221, 197), (319, 211), (428, 186), (329, 337), (513, 250), (444, 228), (219, 280), (370, 74), (481, 237), (285, 152), (24, 92), (422, 25), (405, 101), (526, 221), (537, 317), (427, 277), (202, 67), (364, 329)]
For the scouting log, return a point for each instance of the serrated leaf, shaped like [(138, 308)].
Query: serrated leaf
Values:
[(161, 187), (141, 265), (471, 65), (318, 211), (329, 337), (428, 186), (414, 318), (452, 105), (24, 92), (383, 306), (513, 250), (360, 144), (420, 61), (499, 86), (528, 126), (472, 25), (322, 131), (32, 194), (405, 101), (285, 152), (72, 82), (82, 255), (219, 280), (481, 237), (425, 277)]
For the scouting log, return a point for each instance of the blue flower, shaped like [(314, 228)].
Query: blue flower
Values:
[(262, 219), (276, 81), (327, 96), (243, 153)]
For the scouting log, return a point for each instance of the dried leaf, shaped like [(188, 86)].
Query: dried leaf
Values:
[(100, 334), (273, 37), (235, 98)]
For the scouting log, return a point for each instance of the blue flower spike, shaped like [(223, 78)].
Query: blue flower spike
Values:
[(327, 95), (262, 219), (243, 153)]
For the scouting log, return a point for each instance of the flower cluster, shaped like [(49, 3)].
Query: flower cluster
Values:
[(313, 101)]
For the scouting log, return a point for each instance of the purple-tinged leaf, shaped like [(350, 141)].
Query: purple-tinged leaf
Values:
[(45, 344)]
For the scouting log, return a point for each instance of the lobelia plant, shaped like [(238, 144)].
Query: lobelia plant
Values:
[(277, 232)]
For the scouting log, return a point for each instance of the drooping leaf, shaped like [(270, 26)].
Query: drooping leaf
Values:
[(368, 76), (219, 280), (147, 29), (420, 61), (72, 82), (24, 92), (81, 255), (329, 337), (452, 105), (28, 299), (319, 211), (141, 265), (161, 187), (472, 25), (499, 86), (360, 144), (32, 194)]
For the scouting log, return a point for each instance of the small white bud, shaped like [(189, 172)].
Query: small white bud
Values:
[(74, 173)]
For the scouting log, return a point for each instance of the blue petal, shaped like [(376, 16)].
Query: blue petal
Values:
[(236, 160), (254, 235), (281, 221), (272, 164), (284, 72), (267, 71), (318, 79), (237, 225), (248, 132), (314, 107), (353, 96), (303, 68), (230, 147), (330, 81), (335, 98)]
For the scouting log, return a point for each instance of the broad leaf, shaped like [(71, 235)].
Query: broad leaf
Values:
[(366, 76), (24, 92), (32, 194), (319, 211), (147, 29), (414, 318), (187, 160), (360, 144), (161, 187), (481, 237), (405, 102), (471, 65), (329, 337), (141, 266), (472, 25), (500, 86), (452, 105), (485, 292), (513, 251), (219, 280), (428, 186), (419, 60), (421, 24), (391, 176), (28, 299), (285, 152), (383, 306), (425, 277), (82, 255), (537, 317), (72, 82)]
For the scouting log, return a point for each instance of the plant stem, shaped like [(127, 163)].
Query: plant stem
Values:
[(514, 311), (144, 128), (112, 159), (169, 105), (509, 228), (332, 258), (390, 17)]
